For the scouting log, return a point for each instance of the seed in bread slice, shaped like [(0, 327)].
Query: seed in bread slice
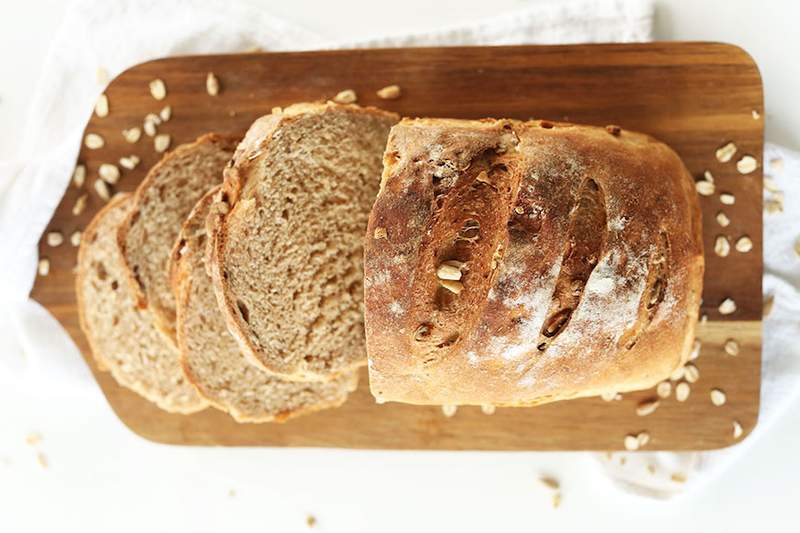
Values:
[(160, 205), (121, 335), (286, 259), (211, 358)]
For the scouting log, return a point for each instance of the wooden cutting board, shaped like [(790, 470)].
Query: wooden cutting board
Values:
[(694, 96)]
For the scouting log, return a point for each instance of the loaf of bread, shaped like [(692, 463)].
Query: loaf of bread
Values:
[(517, 263), (211, 357), (160, 205), (287, 237), (120, 334)]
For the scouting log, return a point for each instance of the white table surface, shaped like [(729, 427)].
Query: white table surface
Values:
[(102, 477)]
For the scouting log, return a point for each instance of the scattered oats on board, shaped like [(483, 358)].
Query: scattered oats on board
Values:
[(556, 500), (755, 114), (130, 162), (677, 374), (449, 410), (212, 84), (132, 135), (44, 266), (746, 164), (737, 429), (311, 521), (643, 438), (390, 92), (766, 307), (776, 165), (708, 176), (102, 190), (727, 307), (722, 246), (647, 407), (682, 391), (80, 204), (717, 397), (664, 389), (549, 482), (161, 142), (75, 238), (691, 374), (488, 409), (93, 141), (678, 477), (725, 152), (695, 353), (109, 173), (347, 96), (158, 89), (631, 443), (723, 220), (101, 106), (79, 176), (770, 185), (773, 205), (744, 244), (704, 188), (166, 113), (727, 198), (55, 238)]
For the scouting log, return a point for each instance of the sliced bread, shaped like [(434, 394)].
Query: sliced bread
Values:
[(211, 357), (160, 205), (286, 250), (121, 335)]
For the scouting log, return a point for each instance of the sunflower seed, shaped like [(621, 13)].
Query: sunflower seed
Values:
[(44, 266), (80, 205), (727, 307), (704, 188), (717, 397), (390, 92), (682, 391), (75, 238), (737, 430), (488, 409), (725, 153), (723, 220), (449, 410), (101, 106), (731, 347), (212, 84), (664, 389), (102, 190), (166, 113), (161, 142), (692, 374), (347, 96), (744, 244), (453, 286), (722, 247), (109, 173), (647, 407), (747, 164), (449, 271), (158, 89), (79, 176), (727, 198), (129, 162), (93, 141)]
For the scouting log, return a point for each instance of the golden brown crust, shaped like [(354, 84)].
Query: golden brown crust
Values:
[(163, 322), (581, 263)]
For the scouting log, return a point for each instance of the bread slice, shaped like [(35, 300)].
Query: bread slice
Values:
[(286, 259), (210, 356), (121, 335), (160, 205)]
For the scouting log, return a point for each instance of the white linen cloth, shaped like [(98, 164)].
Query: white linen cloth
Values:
[(36, 352)]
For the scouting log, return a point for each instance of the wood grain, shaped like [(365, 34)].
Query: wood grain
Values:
[(694, 96)]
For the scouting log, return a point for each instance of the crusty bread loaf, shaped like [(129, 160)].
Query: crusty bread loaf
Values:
[(161, 204), (286, 259), (211, 358), (121, 336), (512, 263)]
